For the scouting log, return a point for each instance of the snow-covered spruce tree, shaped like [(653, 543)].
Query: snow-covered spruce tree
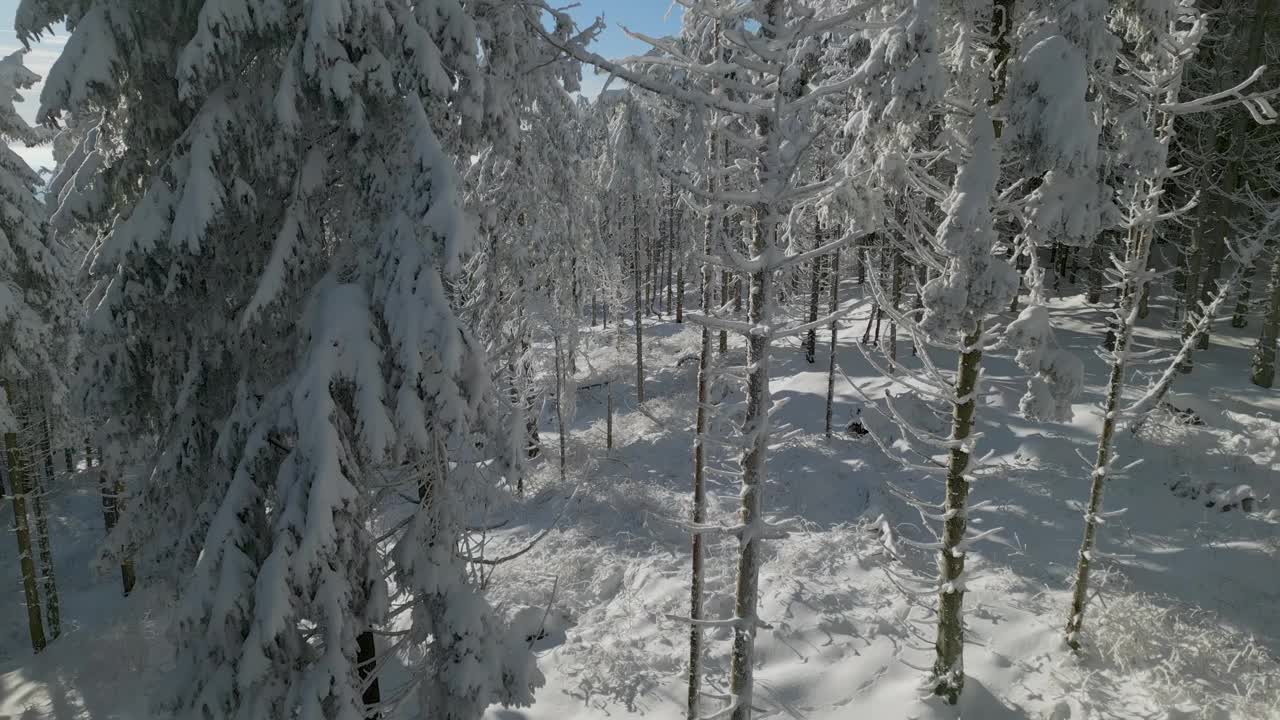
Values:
[(533, 248), (627, 175), (972, 284), (1160, 40), (33, 277), (777, 79), (270, 329), (34, 292), (970, 281), (1221, 150), (701, 37), (1024, 145)]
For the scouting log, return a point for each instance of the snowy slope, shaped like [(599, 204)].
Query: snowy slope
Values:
[(1186, 624)]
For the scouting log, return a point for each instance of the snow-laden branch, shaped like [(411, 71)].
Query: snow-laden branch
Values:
[(1142, 406), (1255, 103)]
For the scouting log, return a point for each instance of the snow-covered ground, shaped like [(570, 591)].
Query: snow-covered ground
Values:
[(1186, 623)]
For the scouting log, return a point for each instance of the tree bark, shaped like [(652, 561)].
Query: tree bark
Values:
[(895, 298), (671, 238), (635, 243), (948, 666), (815, 290), (1263, 366), (559, 369), (22, 532), (699, 446), (834, 280), (1253, 55), (756, 422), (48, 580), (609, 418), (1240, 314), (724, 300)]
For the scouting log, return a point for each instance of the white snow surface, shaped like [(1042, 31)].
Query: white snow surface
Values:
[(1185, 624)]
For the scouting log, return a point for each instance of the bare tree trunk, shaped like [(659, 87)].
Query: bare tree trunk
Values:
[(1096, 261), (834, 280), (648, 267), (1140, 248), (559, 369), (671, 238), (635, 238), (815, 288), (1253, 55), (22, 532), (49, 582), (756, 432), (533, 443), (724, 300), (1240, 315), (680, 294), (609, 418), (896, 298), (1191, 289), (1144, 300), (753, 477), (1263, 367), (1213, 269), (699, 450), (948, 667)]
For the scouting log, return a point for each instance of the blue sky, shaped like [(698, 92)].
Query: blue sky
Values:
[(651, 17)]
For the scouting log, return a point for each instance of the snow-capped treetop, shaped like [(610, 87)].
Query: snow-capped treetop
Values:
[(32, 277), (282, 214)]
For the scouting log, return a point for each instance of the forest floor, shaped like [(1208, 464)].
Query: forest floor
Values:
[(1185, 624)]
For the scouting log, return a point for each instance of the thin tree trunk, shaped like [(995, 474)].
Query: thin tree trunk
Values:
[(533, 443), (871, 319), (948, 667), (1213, 265), (815, 290), (1240, 315), (680, 294), (671, 238), (896, 298), (22, 532), (1253, 55), (724, 300), (756, 432), (635, 239), (834, 280), (1126, 317), (559, 368), (49, 583), (756, 425), (1144, 300), (1096, 260), (608, 443), (699, 449)]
